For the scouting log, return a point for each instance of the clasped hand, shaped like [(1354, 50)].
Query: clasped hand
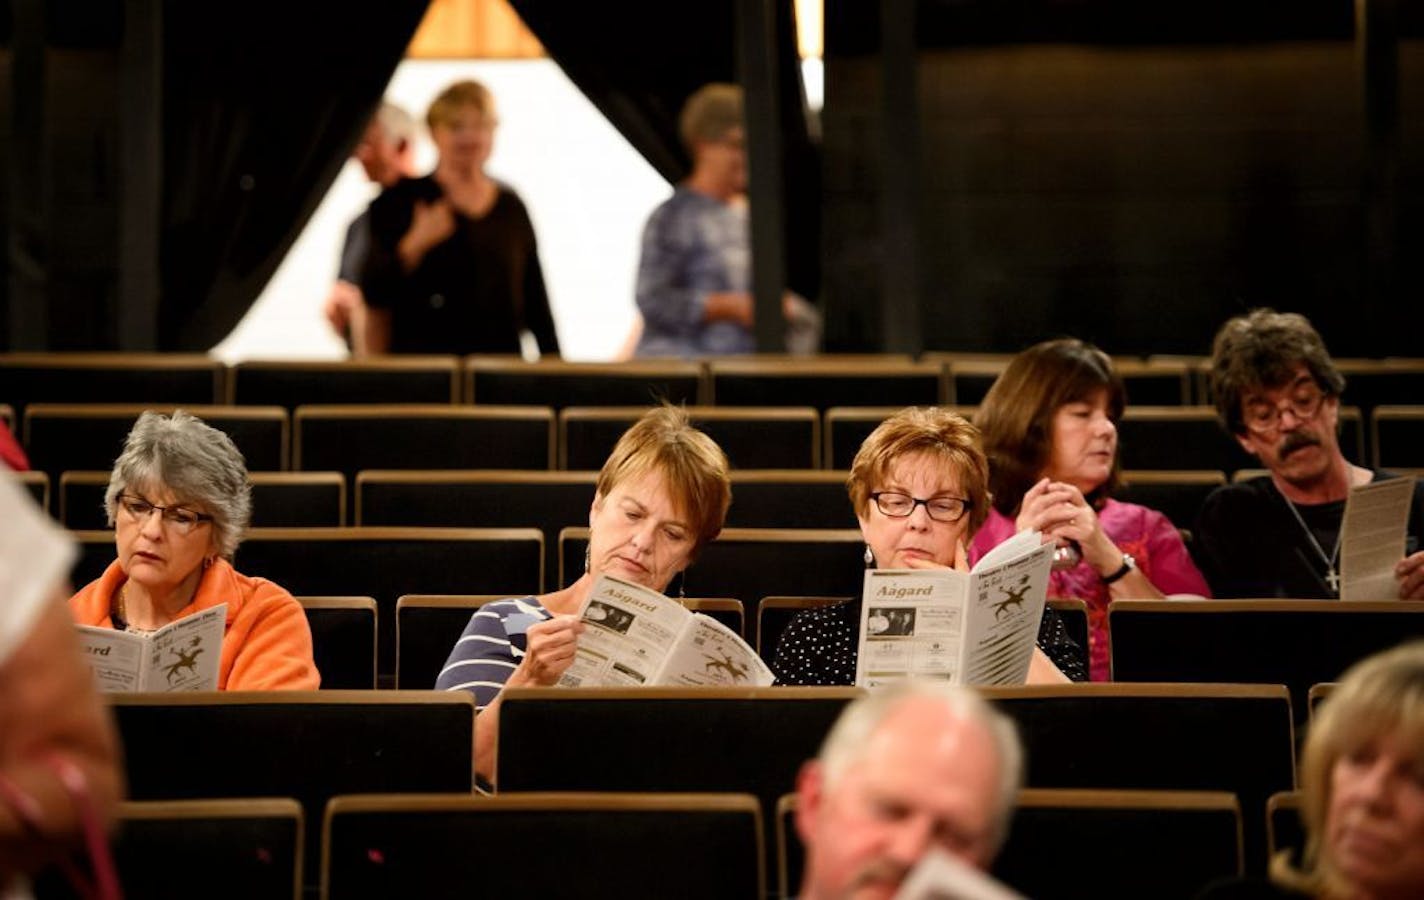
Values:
[(1061, 513)]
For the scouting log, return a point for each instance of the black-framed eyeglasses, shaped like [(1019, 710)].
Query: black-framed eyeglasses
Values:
[(181, 518), (1264, 417), (941, 509)]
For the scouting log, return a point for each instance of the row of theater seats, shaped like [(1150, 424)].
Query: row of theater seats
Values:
[(1231, 747), (354, 437), (549, 501), (821, 382), (1159, 844), (1297, 643)]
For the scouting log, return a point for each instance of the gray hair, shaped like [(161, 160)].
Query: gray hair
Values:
[(195, 461), (397, 124), (848, 737)]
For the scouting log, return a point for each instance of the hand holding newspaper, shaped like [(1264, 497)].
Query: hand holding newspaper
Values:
[(636, 636), (1373, 531), (180, 656), (974, 628)]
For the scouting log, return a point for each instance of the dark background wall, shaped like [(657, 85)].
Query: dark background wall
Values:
[(1125, 187), (1128, 172)]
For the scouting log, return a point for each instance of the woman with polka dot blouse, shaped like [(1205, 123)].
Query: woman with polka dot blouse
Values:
[(920, 488)]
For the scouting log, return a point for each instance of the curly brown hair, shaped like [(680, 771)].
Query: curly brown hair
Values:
[(1262, 350)]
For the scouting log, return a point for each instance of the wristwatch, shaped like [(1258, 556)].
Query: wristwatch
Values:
[(1128, 564)]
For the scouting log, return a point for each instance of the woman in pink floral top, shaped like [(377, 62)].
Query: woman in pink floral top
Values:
[(1050, 429)]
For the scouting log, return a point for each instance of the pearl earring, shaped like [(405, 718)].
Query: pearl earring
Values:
[(869, 558)]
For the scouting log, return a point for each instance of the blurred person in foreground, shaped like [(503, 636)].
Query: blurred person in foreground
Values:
[(920, 489), (179, 500), (59, 754), (1050, 431), (454, 263), (386, 154), (1362, 791), (660, 497), (1278, 535), (910, 768)]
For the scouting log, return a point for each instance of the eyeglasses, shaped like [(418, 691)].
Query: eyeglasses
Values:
[(941, 509), (182, 520), (1264, 417)]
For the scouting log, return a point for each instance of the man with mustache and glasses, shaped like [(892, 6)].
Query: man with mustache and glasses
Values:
[(912, 768), (1278, 393)]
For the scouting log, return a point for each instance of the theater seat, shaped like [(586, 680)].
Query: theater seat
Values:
[(222, 849), (343, 640), (1167, 845), (309, 745), (388, 379), (625, 846), (1193, 737)]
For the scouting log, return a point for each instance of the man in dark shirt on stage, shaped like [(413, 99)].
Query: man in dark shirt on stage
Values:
[(386, 154), (1278, 392)]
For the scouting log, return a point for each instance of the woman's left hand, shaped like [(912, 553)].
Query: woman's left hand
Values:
[(1068, 516)]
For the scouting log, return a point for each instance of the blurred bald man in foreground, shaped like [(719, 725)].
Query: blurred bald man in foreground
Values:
[(916, 767)]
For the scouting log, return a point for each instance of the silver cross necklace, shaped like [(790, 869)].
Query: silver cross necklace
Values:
[(1332, 577)]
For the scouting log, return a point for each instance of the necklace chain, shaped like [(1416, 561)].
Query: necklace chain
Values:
[(1331, 577)]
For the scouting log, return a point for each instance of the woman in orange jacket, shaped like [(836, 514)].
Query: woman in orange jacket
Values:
[(179, 500)]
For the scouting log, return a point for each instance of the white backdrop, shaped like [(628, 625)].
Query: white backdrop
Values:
[(587, 190)]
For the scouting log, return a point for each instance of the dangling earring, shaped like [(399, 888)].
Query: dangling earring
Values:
[(587, 559), (869, 558), (682, 585)]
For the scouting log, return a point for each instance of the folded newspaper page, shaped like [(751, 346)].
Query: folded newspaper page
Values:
[(974, 628), (637, 636), (180, 656), (939, 876), (1373, 532)]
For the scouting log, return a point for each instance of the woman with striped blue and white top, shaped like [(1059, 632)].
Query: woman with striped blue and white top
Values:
[(659, 498)]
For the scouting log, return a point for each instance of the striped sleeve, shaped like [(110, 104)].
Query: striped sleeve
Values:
[(486, 654)]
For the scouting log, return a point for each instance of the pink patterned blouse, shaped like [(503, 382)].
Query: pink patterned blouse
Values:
[(1150, 538)]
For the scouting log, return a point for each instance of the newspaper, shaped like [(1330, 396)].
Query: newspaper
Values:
[(180, 656), (939, 876), (636, 636), (1372, 535), (968, 628)]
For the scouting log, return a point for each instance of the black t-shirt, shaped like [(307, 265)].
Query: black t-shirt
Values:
[(473, 292), (1248, 544)]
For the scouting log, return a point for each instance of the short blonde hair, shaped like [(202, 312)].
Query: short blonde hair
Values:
[(1379, 696), (693, 468), (923, 429), (444, 108), (710, 113)]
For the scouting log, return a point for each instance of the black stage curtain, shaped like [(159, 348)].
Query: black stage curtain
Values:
[(262, 103), (638, 60)]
